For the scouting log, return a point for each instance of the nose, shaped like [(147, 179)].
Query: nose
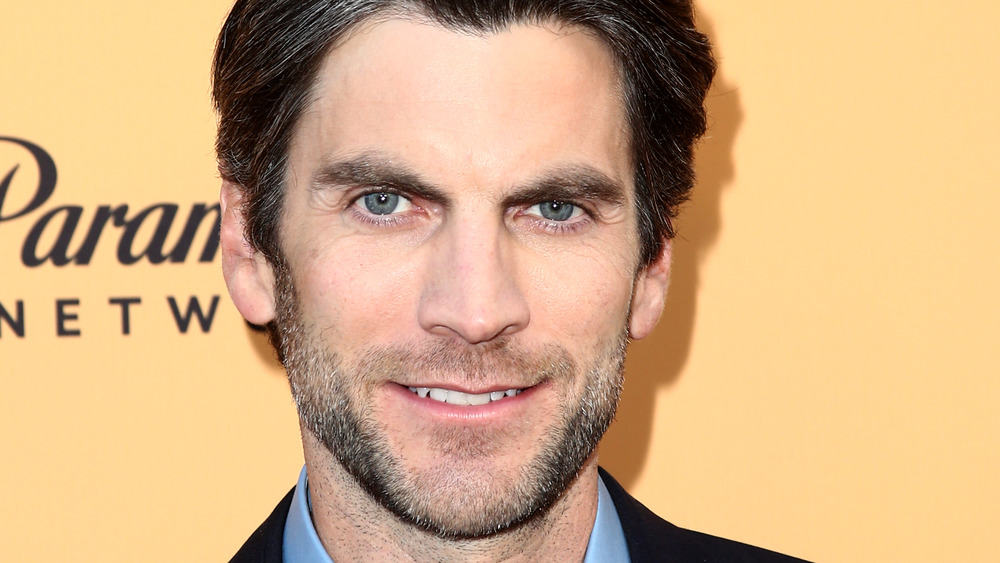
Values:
[(471, 290)]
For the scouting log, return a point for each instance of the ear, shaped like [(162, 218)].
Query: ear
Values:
[(649, 293), (248, 274)]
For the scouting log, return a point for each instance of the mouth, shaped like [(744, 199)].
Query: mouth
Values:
[(453, 397)]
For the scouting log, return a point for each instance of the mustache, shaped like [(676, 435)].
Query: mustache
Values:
[(500, 361)]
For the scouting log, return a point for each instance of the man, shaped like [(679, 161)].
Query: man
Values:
[(452, 216)]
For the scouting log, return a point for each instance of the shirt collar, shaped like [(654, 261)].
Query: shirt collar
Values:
[(301, 543), (607, 539)]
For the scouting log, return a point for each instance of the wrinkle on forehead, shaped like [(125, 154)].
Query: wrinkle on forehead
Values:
[(457, 74)]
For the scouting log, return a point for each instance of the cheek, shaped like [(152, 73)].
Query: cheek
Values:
[(351, 289), (585, 303)]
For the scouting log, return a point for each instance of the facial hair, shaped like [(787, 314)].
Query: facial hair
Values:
[(463, 496)]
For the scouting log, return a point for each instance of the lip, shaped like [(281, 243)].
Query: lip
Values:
[(467, 414), (463, 389)]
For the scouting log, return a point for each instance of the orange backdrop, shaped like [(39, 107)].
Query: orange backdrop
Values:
[(824, 381)]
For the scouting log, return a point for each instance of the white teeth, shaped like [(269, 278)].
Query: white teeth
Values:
[(480, 399), (460, 398)]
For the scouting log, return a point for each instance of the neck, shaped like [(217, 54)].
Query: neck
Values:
[(355, 527)]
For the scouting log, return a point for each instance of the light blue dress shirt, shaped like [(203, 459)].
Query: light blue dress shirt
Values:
[(301, 543)]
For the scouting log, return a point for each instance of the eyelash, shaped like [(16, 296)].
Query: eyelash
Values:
[(397, 219), (383, 221), (585, 219)]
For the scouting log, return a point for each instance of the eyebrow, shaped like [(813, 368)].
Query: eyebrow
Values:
[(377, 171), (565, 183), (570, 183)]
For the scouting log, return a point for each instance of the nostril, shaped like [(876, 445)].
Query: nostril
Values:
[(474, 319)]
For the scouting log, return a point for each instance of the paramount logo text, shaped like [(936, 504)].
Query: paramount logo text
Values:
[(64, 222), (68, 235)]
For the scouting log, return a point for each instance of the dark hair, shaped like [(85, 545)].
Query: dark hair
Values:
[(269, 52)]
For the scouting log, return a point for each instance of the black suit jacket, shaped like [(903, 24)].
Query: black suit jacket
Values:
[(649, 537)]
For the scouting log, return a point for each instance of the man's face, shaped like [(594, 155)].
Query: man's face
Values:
[(459, 227)]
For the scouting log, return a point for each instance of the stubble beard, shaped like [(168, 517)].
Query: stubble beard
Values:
[(463, 496)]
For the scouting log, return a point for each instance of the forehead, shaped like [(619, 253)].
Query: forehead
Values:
[(470, 109)]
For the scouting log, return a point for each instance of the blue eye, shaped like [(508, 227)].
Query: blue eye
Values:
[(557, 210), (382, 203)]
